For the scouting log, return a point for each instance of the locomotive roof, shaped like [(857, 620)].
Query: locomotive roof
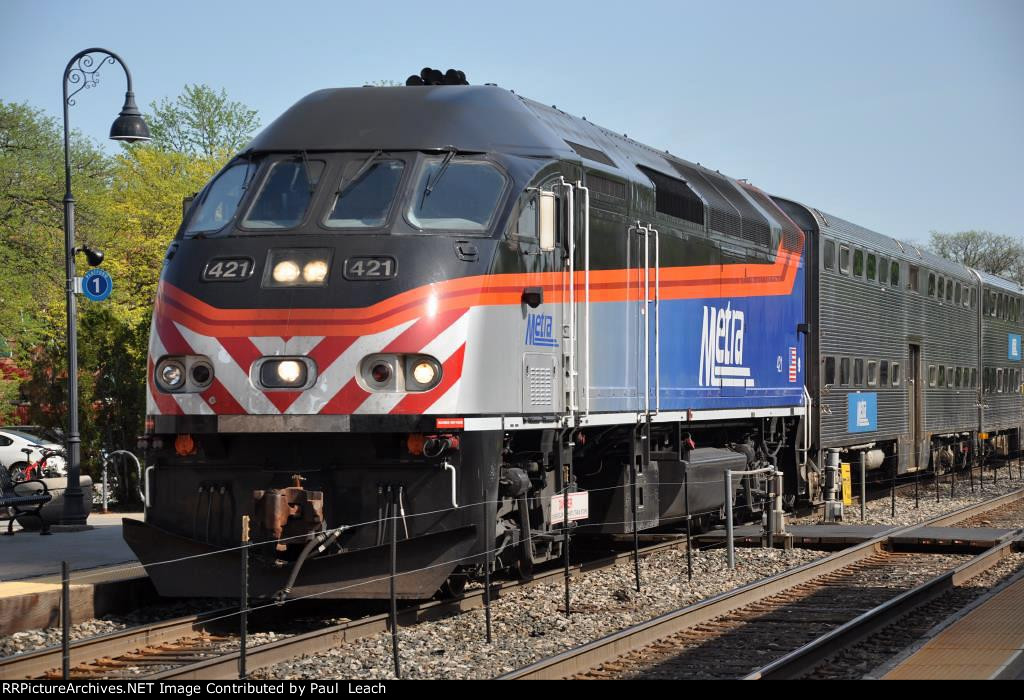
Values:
[(486, 118), (476, 118)]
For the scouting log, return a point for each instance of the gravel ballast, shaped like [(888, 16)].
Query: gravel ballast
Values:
[(529, 623)]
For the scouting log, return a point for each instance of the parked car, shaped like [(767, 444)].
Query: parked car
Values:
[(13, 458)]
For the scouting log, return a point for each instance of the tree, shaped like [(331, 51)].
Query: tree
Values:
[(201, 121), (983, 250)]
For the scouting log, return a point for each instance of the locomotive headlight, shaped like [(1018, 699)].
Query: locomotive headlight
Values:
[(315, 271), (422, 373), (170, 375), (286, 271), (289, 371), (284, 373), (297, 267)]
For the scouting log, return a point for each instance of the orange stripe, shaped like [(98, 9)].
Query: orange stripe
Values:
[(708, 281)]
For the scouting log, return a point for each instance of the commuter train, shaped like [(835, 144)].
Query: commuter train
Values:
[(424, 314)]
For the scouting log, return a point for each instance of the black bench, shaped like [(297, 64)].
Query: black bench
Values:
[(14, 504)]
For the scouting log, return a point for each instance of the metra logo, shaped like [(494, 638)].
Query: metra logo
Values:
[(721, 349), (540, 331)]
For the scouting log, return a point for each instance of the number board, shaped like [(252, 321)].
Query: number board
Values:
[(228, 269), (371, 268)]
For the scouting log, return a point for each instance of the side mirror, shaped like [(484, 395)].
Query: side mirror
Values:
[(546, 220), (186, 204)]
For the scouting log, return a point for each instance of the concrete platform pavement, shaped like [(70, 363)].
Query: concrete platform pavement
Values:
[(29, 555), (105, 575)]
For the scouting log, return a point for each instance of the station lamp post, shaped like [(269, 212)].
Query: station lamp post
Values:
[(81, 73)]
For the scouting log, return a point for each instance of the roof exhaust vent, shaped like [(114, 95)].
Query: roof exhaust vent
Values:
[(432, 76)]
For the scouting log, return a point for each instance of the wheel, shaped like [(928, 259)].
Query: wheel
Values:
[(17, 471), (453, 587)]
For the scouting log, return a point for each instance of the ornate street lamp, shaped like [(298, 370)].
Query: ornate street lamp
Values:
[(129, 126)]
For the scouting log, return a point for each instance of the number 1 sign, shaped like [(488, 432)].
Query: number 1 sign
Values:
[(97, 284)]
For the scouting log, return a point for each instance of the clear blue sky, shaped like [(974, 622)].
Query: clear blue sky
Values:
[(905, 116)]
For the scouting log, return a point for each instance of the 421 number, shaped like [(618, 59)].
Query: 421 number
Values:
[(377, 268), (228, 269)]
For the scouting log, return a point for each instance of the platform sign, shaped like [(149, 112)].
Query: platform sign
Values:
[(844, 471), (579, 507), (1013, 347), (97, 284), (861, 412)]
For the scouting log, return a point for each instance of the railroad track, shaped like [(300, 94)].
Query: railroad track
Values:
[(200, 647), (783, 625)]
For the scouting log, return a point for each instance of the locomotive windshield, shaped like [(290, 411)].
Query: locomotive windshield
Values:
[(456, 195), (365, 201), (286, 192), (221, 200)]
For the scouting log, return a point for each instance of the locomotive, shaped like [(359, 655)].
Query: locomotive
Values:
[(439, 312)]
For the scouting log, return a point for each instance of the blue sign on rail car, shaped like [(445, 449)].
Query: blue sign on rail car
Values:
[(1013, 347), (861, 412), (97, 284)]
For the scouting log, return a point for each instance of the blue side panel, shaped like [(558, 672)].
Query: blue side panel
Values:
[(719, 353), (862, 412), (1013, 347)]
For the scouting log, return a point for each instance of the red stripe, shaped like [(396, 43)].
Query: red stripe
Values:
[(451, 371), (330, 349), (347, 400), (224, 401), (242, 350)]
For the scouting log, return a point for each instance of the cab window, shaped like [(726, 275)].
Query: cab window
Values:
[(455, 195), (285, 194)]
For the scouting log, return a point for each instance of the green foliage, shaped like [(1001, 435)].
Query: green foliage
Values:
[(201, 121), (983, 250), (129, 206)]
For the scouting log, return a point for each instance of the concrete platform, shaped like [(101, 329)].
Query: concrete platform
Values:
[(833, 535), (987, 643), (823, 535), (105, 576)]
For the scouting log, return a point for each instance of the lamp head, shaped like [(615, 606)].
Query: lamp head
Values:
[(92, 256), (129, 125)]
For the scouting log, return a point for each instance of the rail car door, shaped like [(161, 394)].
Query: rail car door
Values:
[(914, 408)]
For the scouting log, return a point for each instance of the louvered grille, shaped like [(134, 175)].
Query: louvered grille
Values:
[(541, 381)]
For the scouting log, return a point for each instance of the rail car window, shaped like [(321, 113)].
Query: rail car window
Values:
[(883, 271), (883, 373), (959, 376), (461, 197), (974, 297), (287, 189), (896, 374), (858, 372), (844, 371), (942, 375), (931, 284), (999, 381), (830, 370), (942, 287), (894, 274), (956, 297), (872, 267), (219, 204), (949, 291), (872, 373), (365, 203), (844, 259), (828, 255), (858, 263), (933, 375), (912, 275), (974, 377)]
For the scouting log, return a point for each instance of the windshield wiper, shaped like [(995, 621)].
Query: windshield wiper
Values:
[(432, 182), (345, 184), (309, 172)]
